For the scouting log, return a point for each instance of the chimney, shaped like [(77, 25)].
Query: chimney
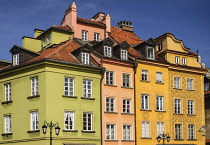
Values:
[(125, 25), (70, 17), (107, 22), (98, 17)]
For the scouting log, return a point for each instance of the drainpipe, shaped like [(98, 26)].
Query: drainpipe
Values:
[(134, 68)]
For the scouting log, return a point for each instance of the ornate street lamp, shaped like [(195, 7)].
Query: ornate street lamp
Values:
[(163, 136), (51, 126)]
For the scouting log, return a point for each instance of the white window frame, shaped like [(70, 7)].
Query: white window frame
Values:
[(159, 77), (7, 124), (107, 51), (160, 129), (159, 103), (127, 132), (85, 58), (34, 120), (184, 61), (191, 131), (150, 53), (126, 80), (206, 86), (178, 131), (145, 129), (126, 106), (177, 106), (34, 86), (68, 86), (8, 92), (144, 102), (15, 59), (110, 131), (110, 77), (177, 82), (189, 84), (69, 120), (110, 104), (96, 36), (190, 107), (177, 59), (84, 35), (87, 121), (124, 54), (144, 75), (87, 88)]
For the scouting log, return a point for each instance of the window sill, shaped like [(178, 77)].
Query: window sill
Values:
[(70, 130), (126, 87), (31, 97), (6, 134), (177, 88), (87, 131), (127, 140), (191, 139), (178, 114), (33, 131), (127, 113), (179, 139), (160, 111), (6, 102), (145, 110), (110, 112), (110, 140), (145, 81), (191, 114), (146, 138), (160, 83), (87, 98), (69, 96), (110, 85), (190, 90)]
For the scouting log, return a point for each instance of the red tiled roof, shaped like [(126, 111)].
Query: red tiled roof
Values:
[(207, 93), (87, 21), (133, 52), (60, 27), (119, 35)]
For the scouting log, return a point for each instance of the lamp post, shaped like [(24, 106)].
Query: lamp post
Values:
[(163, 136), (51, 126)]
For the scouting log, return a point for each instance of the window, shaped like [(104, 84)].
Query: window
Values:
[(150, 53), (160, 46), (145, 102), (126, 80), (8, 92), (206, 86), (34, 86), (191, 131), (84, 35), (160, 128), (177, 82), (87, 88), (145, 129), (109, 77), (159, 103), (190, 84), (8, 124), (124, 54), (177, 60), (178, 131), (85, 58), (126, 132), (69, 120), (34, 120), (126, 106), (96, 36), (190, 106), (144, 75), (110, 104), (16, 59), (49, 39), (184, 61), (110, 131), (44, 41), (177, 106), (87, 121), (159, 78), (69, 86), (107, 51)]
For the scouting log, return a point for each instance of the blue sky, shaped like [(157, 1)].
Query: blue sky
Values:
[(188, 20)]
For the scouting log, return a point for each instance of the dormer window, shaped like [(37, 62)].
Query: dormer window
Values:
[(15, 59), (84, 35), (124, 54), (160, 46), (184, 61), (46, 40), (107, 51), (150, 53), (85, 58)]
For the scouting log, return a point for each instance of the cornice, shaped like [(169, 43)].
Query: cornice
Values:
[(176, 52), (187, 69)]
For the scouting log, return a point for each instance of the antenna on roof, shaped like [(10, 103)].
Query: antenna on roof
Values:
[(197, 51)]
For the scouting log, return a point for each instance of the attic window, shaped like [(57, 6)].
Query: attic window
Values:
[(150, 53), (46, 40), (15, 59), (160, 46), (107, 51), (85, 58), (124, 54)]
